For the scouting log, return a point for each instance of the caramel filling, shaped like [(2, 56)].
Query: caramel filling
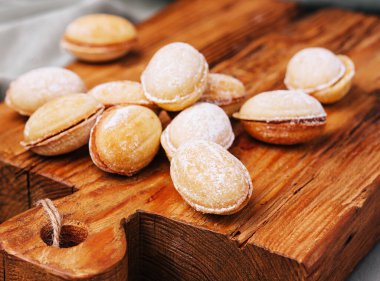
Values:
[(121, 45), (316, 120)]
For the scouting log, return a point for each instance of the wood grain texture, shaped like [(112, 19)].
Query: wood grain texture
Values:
[(313, 214), (185, 21), (168, 250)]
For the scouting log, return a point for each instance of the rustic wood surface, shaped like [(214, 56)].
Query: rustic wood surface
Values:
[(192, 21), (314, 212)]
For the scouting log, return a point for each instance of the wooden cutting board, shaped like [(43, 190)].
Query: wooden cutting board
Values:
[(314, 211)]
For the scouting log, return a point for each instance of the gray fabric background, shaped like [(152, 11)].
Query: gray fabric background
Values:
[(30, 31)]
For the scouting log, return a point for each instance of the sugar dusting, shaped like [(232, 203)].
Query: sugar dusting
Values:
[(118, 116), (223, 89), (127, 138), (46, 80), (176, 72), (313, 69), (36, 87), (210, 178), (281, 105), (202, 121), (119, 92)]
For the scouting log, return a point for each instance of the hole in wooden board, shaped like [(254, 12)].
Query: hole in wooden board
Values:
[(71, 235)]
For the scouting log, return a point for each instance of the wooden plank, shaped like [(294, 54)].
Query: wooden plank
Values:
[(188, 21), (14, 192), (164, 249), (313, 215), (219, 28)]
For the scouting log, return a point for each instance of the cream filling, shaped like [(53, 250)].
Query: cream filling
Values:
[(281, 119)]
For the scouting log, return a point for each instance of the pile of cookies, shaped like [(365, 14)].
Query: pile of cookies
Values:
[(119, 120)]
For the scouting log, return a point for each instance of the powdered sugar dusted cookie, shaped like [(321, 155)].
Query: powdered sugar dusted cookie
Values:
[(121, 93), (125, 139), (225, 91), (99, 37), (202, 121), (210, 179), (61, 125), (175, 77), (282, 117), (36, 87), (321, 73)]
